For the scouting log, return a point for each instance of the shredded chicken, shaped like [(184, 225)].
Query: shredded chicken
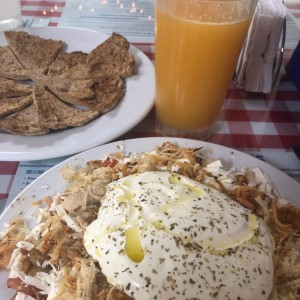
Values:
[(9, 238)]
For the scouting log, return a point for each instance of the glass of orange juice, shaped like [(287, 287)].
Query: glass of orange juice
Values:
[(197, 45)]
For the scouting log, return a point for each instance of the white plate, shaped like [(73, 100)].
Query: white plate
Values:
[(50, 182), (135, 105)]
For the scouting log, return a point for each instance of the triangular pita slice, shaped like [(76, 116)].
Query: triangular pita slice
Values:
[(80, 71), (10, 67), (32, 51), (71, 90), (65, 61), (55, 114), (12, 88), (118, 40), (12, 105), (111, 58), (23, 122), (109, 92)]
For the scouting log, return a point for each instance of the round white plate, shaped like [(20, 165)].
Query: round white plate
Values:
[(50, 182), (135, 105)]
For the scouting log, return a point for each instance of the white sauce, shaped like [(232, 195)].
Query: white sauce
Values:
[(196, 243)]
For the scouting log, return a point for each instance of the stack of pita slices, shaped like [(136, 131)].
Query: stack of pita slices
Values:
[(44, 88)]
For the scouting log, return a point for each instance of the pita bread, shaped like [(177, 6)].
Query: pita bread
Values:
[(80, 71), (36, 76), (111, 58), (10, 67), (65, 61), (109, 92), (119, 41), (55, 114), (59, 82), (23, 122), (12, 88), (71, 90), (12, 105), (32, 51)]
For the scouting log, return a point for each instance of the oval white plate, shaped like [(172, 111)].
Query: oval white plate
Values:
[(50, 182), (135, 105)]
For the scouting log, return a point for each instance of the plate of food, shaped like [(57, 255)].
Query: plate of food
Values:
[(154, 218), (66, 90)]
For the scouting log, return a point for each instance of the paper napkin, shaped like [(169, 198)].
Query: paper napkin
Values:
[(255, 68)]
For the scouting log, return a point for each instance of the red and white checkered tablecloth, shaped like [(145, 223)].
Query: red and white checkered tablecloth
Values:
[(255, 123), (293, 7), (250, 121), (43, 9)]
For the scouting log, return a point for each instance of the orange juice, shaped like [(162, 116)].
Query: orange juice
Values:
[(196, 50)]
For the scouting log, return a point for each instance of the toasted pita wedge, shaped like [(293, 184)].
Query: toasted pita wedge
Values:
[(119, 41), (12, 88), (36, 76), (23, 122), (55, 114), (32, 51), (80, 71), (115, 40), (109, 92), (65, 61), (12, 105), (111, 58), (114, 68), (71, 90), (10, 67)]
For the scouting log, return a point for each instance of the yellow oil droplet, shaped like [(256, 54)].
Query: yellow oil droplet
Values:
[(97, 252), (123, 198), (127, 196), (194, 189), (127, 183), (177, 179), (174, 178), (236, 239), (158, 225), (133, 245), (253, 222)]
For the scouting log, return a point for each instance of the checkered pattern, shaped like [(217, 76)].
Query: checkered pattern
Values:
[(43, 9), (250, 121), (259, 121), (7, 172), (294, 10)]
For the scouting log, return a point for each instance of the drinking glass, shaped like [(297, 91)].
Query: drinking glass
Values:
[(197, 45), (10, 14)]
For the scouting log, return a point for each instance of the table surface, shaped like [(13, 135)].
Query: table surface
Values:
[(265, 126)]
